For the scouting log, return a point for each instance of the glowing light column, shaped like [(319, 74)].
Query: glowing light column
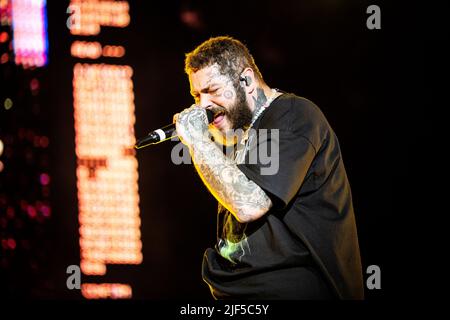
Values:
[(106, 166), (30, 32)]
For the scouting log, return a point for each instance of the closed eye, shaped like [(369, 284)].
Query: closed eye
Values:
[(211, 91), (196, 97)]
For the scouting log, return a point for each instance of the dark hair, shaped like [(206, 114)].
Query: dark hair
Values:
[(231, 55)]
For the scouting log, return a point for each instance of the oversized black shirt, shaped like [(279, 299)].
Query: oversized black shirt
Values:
[(310, 233)]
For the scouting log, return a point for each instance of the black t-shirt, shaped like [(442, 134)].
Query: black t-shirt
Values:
[(306, 246)]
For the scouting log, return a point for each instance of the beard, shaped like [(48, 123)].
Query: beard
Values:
[(239, 114)]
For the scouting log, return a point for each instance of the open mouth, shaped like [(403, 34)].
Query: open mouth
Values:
[(218, 117)]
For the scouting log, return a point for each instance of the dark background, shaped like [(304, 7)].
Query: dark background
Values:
[(368, 83)]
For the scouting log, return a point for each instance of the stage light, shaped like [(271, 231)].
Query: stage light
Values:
[(4, 58), (29, 32), (44, 179), (34, 86), (113, 51), (43, 142), (104, 173), (89, 16), (11, 243), (31, 211), (5, 12), (4, 37), (108, 201), (8, 103), (85, 49), (106, 290)]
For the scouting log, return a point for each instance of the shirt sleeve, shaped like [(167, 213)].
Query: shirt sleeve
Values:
[(280, 172)]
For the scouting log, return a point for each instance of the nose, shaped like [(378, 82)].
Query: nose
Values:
[(205, 101)]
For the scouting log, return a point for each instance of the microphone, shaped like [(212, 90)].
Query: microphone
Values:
[(164, 133)]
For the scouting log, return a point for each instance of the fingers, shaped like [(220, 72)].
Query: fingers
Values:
[(192, 107), (176, 116)]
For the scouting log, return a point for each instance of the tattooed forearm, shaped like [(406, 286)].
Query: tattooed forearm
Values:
[(241, 196)]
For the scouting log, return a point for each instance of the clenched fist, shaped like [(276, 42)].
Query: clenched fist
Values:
[(192, 125)]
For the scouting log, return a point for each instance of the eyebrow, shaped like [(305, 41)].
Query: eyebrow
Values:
[(208, 87)]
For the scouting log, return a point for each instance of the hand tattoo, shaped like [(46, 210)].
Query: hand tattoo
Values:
[(192, 124)]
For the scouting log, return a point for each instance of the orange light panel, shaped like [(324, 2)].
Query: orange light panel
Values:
[(90, 15), (107, 176), (107, 171), (106, 290)]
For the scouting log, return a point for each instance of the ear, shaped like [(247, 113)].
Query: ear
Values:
[(248, 80)]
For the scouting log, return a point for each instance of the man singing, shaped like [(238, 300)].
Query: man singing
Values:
[(287, 233)]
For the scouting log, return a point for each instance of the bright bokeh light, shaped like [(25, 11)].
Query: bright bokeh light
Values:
[(106, 290), (94, 50), (88, 16), (85, 49), (107, 176), (29, 32)]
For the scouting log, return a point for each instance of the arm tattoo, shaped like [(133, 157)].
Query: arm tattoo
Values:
[(241, 196)]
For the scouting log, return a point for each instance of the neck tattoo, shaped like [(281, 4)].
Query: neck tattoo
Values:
[(239, 152), (263, 107)]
